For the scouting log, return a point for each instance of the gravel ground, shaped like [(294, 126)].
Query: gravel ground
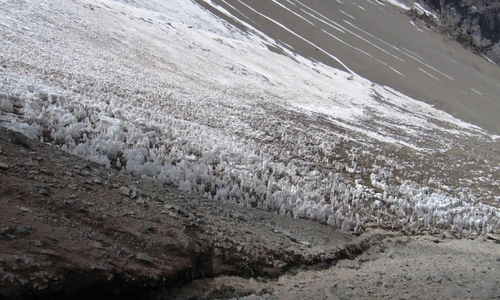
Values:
[(394, 267)]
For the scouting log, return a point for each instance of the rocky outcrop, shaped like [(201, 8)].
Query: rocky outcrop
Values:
[(473, 23)]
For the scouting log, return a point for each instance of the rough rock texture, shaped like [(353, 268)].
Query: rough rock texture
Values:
[(473, 23)]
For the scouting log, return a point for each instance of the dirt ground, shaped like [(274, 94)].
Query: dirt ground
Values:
[(394, 267), (72, 229)]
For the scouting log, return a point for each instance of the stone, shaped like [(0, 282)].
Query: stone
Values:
[(144, 257), (172, 214), (43, 96), (46, 172), (4, 166), (49, 253), (95, 237), (8, 277), (239, 293), (44, 191), (406, 296), (140, 201), (126, 252), (494, 237), (24, 209), (19, 139), (172, 207), (68, 201), (437, 279), (23, 230), (135, 193), (96, 244), (125, 191), (7, 106), (7, 230), (99, 269), (84, 172), (22, 281)]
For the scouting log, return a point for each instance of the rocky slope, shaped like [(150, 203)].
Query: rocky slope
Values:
[(473, 23), (76, 230)]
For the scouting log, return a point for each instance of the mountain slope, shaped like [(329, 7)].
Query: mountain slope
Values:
[(70, 229), (216, 150), (377, 40), (183, 98)]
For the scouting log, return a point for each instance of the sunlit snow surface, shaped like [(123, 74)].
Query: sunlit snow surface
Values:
[(165, 90)]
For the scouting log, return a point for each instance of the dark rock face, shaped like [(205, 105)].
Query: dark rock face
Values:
[(473, 23)]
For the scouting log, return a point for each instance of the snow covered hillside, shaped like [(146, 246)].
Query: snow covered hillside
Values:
[(167, 91)]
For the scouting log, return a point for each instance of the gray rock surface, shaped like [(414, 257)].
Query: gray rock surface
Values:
[(473, 23)]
